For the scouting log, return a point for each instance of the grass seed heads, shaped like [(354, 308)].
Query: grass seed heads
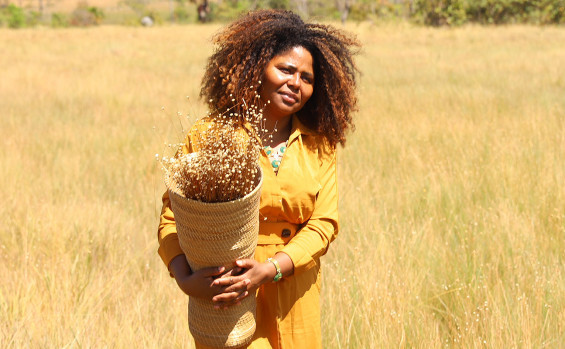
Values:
[(224, 166)]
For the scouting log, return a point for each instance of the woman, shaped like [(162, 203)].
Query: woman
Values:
[(305, 75)]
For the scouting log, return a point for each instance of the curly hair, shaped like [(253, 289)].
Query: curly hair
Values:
[(244, 48)]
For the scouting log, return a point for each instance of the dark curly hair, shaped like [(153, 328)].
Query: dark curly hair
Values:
[(245, 47)]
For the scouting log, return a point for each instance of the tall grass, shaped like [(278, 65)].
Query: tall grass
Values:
[(452, 197)]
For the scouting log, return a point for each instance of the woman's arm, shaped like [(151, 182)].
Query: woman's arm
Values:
[(313, 240), (194, 284), (169, 246)]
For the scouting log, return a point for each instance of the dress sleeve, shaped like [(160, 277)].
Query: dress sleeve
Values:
[(313, 240), (169, 246)]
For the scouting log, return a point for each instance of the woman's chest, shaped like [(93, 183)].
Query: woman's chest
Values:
[(290, 195)]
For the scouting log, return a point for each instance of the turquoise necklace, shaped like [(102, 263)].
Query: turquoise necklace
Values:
[(275, 155)]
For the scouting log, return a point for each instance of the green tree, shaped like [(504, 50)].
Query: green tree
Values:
[(16, 17), (440, 12)]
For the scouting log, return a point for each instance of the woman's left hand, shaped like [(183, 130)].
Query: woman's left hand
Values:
[(256, 273)]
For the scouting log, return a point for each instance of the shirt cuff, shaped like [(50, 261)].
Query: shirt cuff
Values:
[(301, 257)]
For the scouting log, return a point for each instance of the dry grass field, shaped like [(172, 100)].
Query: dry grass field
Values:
[(452, 188)]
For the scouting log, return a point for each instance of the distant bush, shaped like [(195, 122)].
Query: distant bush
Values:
[(279, 4), (97, 13), (33, 18), (439, 12), (59, 20), (13, 16), (427, 12), (516, 11), (181, 14), (227, 10), (501, 11), (84, 15), (553, 11), (456, 12)]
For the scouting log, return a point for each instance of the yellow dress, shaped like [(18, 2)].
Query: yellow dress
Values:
[(298, 216)]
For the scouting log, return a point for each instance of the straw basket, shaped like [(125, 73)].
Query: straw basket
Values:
[(216, 234)]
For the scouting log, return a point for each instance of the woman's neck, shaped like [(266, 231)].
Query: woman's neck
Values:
[(277, 131)]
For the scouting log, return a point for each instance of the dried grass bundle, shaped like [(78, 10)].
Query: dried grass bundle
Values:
[(224, 166)]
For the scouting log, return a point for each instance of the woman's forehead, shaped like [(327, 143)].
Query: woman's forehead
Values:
[(298, 54)]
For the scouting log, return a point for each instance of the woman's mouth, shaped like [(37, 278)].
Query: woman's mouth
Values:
[(289, 98)]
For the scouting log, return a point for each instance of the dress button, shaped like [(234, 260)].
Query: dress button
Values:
[(285, 233)]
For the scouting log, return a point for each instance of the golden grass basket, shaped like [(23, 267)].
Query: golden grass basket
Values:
[(216, 234)]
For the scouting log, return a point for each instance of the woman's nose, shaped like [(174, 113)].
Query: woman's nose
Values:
[(294, 80)]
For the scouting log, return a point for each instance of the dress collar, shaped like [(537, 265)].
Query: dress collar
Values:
[(298, 128)]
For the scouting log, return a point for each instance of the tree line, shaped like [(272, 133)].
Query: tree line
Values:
[(425, 12)]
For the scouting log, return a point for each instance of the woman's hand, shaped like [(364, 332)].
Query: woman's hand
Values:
[(254, 275), (200, 283), (251, 273)]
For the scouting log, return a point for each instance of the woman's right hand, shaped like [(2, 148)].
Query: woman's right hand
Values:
[(195, 284), (200, 283)]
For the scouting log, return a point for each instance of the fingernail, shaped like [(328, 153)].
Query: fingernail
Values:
[(247, 281)]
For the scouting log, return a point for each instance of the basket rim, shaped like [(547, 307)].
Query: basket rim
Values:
[(210, 204)]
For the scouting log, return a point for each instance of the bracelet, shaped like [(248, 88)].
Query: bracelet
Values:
[(278, 275)]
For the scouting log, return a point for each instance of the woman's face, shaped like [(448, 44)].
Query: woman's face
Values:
[(288, 83)]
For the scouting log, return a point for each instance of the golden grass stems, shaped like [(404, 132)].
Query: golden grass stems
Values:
[(452, 206)]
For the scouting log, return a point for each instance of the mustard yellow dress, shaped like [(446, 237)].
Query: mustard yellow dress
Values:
[(298, 216)]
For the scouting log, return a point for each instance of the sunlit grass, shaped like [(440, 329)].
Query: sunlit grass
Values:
[(452, 197)]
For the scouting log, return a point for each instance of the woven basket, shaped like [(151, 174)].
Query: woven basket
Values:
[(216, 234)]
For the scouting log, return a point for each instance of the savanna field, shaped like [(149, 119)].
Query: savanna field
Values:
[(452, 194)]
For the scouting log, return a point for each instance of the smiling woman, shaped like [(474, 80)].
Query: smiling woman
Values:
[(288, 84), (304, 76)]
